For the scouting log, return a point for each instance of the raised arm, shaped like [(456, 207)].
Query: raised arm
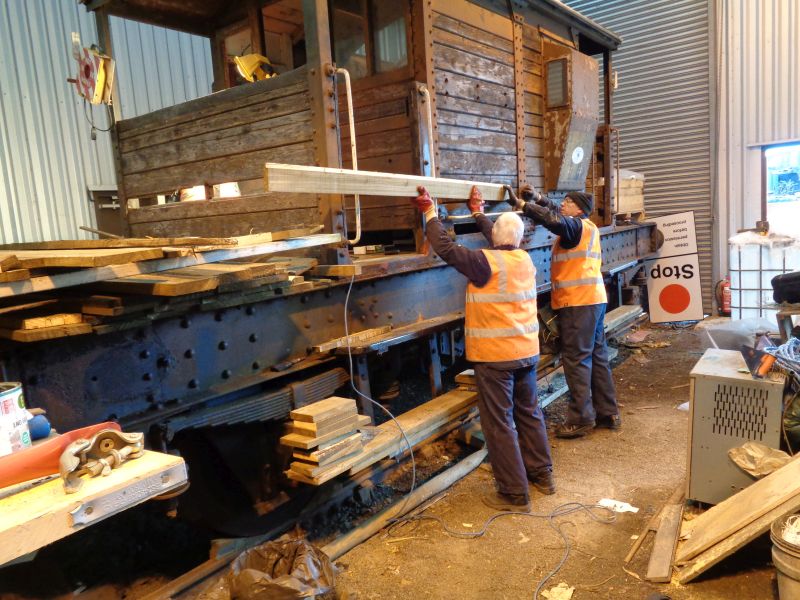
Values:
[(470, 263)]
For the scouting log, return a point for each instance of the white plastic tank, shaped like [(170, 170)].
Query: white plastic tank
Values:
[(754, 260)]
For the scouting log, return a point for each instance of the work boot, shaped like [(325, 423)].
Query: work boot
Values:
[(608, 422), (507, 502), (544, 482), (573, 430)]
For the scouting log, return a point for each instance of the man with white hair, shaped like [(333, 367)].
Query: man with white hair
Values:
[(502, 340)]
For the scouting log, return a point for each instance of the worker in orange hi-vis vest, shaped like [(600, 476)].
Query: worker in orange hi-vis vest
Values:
[(578, 294), (502, 340)]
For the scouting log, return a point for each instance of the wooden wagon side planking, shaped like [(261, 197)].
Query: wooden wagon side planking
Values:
[(480, 73)]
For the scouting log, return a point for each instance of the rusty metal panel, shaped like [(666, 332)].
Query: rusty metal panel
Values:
[(662, 105), (571, 116)]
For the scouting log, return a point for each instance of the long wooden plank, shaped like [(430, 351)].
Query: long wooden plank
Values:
[(189, 280), (321, 180), (37, 319), (304, 442), (741, 509), (476, 16), (144, 242), (42, 514), (214, 170), (39, 259), (63, 280), (15, 275), (332, 453), (45, 333), (323, 410), (705, 560), (659, 569), (326, 426)]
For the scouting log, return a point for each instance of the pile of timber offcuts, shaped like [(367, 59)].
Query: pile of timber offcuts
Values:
[(73, 287)]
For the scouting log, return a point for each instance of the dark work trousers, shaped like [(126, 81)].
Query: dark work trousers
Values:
[(513, 424), (585, 357)]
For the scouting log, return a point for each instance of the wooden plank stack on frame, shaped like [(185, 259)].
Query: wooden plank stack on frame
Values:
[(323, 434), (419, 424)]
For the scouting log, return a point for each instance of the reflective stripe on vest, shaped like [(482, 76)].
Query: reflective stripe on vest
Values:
[(576, 278), (509, 332), (500, 322)]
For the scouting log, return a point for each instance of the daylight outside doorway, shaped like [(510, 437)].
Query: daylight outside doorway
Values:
[(783, 189)]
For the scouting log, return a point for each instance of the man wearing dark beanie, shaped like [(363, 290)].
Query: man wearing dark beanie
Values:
[(579, 296)]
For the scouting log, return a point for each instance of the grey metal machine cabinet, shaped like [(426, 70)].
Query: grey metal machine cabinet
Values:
[(728, 408)]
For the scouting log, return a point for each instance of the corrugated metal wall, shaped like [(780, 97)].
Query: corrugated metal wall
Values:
[(759, 101), (662, 105), (47, 158)]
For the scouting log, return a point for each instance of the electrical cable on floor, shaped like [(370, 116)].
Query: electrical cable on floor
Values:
[(567, 508), (559, 511), (378, 404)]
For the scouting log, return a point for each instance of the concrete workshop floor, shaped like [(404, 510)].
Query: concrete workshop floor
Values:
[(642, 465)]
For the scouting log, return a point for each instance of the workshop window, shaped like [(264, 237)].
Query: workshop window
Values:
[(369, 36), (782, 187), (389, 21), (557, 76)]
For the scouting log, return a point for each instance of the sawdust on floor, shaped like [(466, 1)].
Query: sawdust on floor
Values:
[(641, 464)]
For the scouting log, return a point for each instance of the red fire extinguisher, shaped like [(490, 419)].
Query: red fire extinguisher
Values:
[(725, 308)]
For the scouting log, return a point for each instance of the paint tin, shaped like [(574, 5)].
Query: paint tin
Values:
[(14, 434)]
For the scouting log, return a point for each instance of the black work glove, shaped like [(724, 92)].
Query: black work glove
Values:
[(512, 199), (529, 194)]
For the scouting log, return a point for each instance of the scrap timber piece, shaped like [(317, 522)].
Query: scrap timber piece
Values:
[(737, 520), (323, 180)]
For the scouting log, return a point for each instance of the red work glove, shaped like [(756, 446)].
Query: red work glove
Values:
[(423, 202), (475, 202)]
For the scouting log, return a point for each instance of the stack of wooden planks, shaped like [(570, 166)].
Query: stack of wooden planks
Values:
[(322, 435), (71, 287), (429, 420)]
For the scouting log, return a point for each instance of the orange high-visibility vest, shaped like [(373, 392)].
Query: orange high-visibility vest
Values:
[(575, 274), (500, 321)]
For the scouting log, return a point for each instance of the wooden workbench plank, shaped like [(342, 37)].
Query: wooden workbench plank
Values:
[(40, 515), (74, 278), (321, 180)]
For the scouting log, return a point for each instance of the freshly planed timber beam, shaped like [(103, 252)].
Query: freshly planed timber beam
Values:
[(321, 180)]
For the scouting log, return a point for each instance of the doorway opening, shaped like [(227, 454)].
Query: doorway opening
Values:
[(783, 188)]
